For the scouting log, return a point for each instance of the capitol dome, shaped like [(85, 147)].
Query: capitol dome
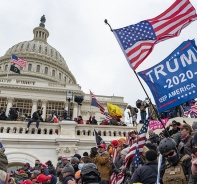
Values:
[(44, 62)]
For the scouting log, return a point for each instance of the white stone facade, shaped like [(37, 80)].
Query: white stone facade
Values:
[(44, 83)]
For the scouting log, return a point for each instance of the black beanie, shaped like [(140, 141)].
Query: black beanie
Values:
[(151, 155)]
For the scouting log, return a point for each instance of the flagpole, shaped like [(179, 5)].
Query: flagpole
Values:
[(151, 103), (106, 22)]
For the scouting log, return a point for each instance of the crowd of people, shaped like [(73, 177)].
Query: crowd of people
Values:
[(175, 151)]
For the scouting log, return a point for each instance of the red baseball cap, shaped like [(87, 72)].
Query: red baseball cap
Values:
[(102, 146), (42, 178)]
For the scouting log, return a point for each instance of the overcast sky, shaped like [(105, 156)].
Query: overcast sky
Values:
[(78, 32)]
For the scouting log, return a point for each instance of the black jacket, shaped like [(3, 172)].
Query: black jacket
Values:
[(68, 177), (146, 174), (53, 179), (93, 121)]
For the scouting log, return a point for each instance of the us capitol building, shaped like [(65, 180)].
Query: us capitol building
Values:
[(44, 83)]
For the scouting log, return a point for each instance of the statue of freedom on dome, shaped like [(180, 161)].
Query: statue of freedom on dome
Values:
[(42, 20)]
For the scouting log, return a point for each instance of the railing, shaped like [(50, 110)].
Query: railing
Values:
[(64, 129)]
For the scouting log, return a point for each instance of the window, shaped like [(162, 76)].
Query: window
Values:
[(6, 67), (24, 106), (38, 68), (53, 73), (46, 70), (65, 79), (60, 76), (29, 67)]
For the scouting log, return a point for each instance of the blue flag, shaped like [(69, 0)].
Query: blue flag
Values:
[(173, 81)]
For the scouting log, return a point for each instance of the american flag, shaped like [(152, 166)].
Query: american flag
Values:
[(18, 61), (113, 176), (137, 159), (95, 103), (190, 111), (107, 116), (137, 41), (139, 143), (128, 140)]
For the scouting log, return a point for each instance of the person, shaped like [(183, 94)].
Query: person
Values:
[(4, 177), (37, 165), (186, 144), (74, 162), (92, 120), (44, 169), (153, 137), (133, 113), (176, 167), (34, 174), (85, 154), (90, 174), (142, 105), (50, 179), (193, 176), (3, 115), (51, 168), (102, 161), (80, 120), (35, 118), (68, 173), (117, 164), (65, 162), (3, 160), (13, 114), (175, 128), (148, 172)]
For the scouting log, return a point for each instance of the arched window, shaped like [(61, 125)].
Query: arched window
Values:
[(53, 73), (60, 76), (29, 67), (46, 70), (38, 68), (65, 79), (6, 67)]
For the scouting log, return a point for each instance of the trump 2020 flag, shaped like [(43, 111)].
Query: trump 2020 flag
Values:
[(137, 40), (174, 80)]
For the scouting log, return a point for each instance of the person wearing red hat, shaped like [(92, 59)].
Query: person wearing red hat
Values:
[(102, 161), (44, 169), (51, 179)]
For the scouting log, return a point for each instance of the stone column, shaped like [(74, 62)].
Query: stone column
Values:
[(65, 105), (44, 105), (9, 105), (75, 110), (34, 106)]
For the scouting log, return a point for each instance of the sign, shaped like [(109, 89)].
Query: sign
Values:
[(154, 125), (174, 80)]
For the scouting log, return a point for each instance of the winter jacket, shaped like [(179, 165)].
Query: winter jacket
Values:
[(68, 177), (93, 121), (103, 164), (186, 146), (3, 160), (154, 139), (53, 179), (192, 179), (117, 164), (146, 174)]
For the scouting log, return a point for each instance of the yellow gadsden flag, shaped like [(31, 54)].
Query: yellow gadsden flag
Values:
[(114, 110)]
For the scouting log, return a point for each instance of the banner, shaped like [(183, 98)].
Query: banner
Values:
[(98, 139), (154, 125), (174, 80), (114, 110)]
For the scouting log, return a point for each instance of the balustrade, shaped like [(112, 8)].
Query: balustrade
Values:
[(64, 129)]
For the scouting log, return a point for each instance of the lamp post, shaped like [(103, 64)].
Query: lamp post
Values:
[(69, 97)]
